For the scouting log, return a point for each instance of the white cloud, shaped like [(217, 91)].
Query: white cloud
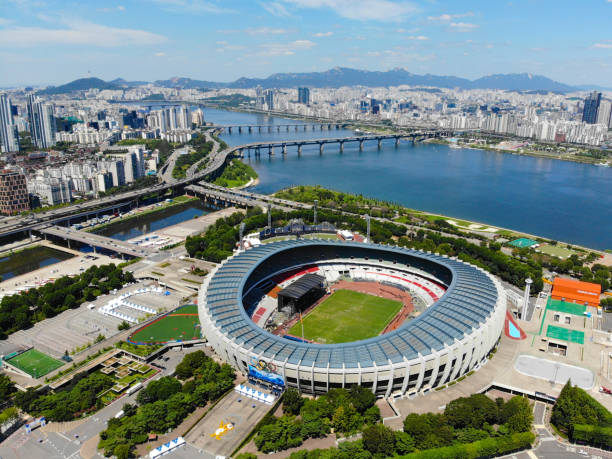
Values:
[(224, 46), (603, 45), (111, 10), (160, 54), (450, 17), (267, 31), (363, 10), (80, 33), (323, 34), (275, 8), (418, 37), (192, 6), (463, 26), (285, 49)]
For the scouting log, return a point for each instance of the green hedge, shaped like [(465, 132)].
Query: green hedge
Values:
[(482, 448), (593, 435)]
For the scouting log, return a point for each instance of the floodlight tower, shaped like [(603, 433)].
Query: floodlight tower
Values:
[(241, 237), (367, 217), (525, 307), (269, 216), (316, 201)]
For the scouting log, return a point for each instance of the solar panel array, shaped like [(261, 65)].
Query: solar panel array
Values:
[(467, 304)]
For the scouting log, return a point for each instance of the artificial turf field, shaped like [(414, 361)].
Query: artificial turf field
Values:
[(347, 316), (181, 324), (35, 363)]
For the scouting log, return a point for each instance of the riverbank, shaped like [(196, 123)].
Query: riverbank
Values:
[(378, 208), (534, 153)]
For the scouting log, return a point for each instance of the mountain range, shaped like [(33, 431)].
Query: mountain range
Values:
[(336, 77)]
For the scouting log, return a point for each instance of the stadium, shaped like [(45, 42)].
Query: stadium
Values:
[(322, 314)]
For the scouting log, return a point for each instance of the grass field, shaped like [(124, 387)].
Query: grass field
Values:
[(35, 363), (181, 324), (347, 316), (556, 250)]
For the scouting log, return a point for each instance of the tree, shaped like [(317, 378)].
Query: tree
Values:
[(362, 398), (472, 411), (292, 401), (379, 439), (7, 387), (404, 443), (123, 325), (518, 414), (122, 451)]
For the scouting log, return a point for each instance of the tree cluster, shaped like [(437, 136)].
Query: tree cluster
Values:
[(345, 411), (79, 397), (581, 417), (163, 404), (465, 430), (235, 174), (7, 387), (22, 310)]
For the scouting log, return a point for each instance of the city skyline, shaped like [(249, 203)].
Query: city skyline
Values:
[(223, 41)]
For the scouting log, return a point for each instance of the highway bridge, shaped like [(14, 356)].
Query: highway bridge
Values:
[(218, 195), (416, 136), (95, 241), (250, 128)]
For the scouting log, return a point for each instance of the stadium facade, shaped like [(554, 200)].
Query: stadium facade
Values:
[(450, 338)]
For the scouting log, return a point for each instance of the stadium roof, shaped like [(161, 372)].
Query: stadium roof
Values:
[(468, 303), (301, 286)]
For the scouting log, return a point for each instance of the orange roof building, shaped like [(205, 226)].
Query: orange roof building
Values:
[(574, 291)]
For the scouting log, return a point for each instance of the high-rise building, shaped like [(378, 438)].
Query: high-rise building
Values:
[(304, 96), (9, 137), (259, 98), (603, 114), (269, 99), (42, 122), (591, 106), (14, 196)]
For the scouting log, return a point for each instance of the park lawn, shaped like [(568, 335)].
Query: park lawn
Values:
[(556, 250), (180, 324), (347, 316), (35, 363)]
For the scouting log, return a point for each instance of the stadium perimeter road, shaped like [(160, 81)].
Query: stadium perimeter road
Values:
[(243, 415)]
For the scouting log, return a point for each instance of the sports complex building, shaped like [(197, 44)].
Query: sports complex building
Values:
[(423, 321)]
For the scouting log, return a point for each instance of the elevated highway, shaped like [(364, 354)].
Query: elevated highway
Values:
[(96, 241)]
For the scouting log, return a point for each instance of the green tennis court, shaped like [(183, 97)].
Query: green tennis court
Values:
[(565, 334), (181, 324), (35, 363), (522, 242), (568, 308)]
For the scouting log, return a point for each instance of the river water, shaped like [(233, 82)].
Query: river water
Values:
[(142, 224), (562, 200)]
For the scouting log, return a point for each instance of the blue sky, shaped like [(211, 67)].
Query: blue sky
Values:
[(55, 41)]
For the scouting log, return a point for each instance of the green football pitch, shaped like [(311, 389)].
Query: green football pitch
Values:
[(35, 363), (347, 316), (568, 308), (181, 324)]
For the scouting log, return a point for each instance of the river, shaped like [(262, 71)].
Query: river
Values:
[(562, 200), (142, 224)]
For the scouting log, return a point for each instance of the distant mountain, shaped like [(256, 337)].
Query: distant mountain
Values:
[(340, 76), (127, 84), (594, 87), (520, 82), (82, 84), (188, 83)]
